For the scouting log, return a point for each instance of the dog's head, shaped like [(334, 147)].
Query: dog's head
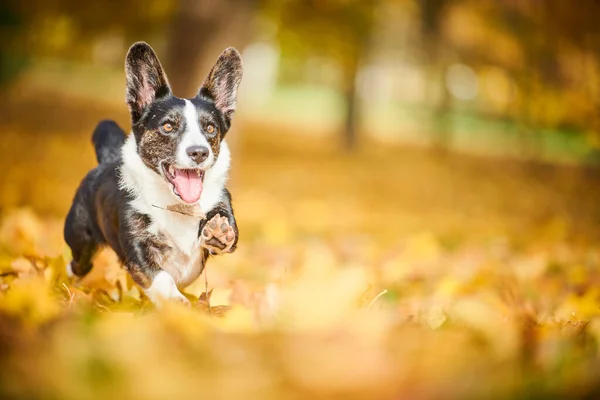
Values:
[(179, 139)]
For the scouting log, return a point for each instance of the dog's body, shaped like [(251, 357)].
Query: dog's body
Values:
[(175, 157)]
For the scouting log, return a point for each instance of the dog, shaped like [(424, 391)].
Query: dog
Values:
[(151, 188)]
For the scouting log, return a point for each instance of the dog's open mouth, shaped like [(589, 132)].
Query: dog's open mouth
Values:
[(187, 183)]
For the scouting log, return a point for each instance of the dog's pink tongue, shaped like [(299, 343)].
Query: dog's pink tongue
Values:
[(188, 185)]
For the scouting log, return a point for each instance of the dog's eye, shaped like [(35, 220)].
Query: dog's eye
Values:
[(167, 127), (210, 129)]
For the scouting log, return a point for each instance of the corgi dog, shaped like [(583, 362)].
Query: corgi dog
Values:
[(158, 196)]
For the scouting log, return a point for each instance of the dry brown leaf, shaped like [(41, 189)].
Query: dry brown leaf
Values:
[(203, 304), (186, 209)]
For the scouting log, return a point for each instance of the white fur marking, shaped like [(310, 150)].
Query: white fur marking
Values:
[(215, 179), (69, 268), (163, 287), (192, 137)]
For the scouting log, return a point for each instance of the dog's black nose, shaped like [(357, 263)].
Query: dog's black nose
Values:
[(197, 153)]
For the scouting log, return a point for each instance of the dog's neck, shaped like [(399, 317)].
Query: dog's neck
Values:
[(151, 190)]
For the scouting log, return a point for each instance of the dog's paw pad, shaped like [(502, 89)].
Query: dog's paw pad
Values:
[(218, 236)]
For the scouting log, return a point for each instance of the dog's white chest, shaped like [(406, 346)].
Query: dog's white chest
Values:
[(184, 260)]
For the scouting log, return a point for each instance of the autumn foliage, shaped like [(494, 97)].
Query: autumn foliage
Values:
[(390, 273)]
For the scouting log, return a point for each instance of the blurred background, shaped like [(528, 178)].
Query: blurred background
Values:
[(514, 78), (416, 184), (477, 105)]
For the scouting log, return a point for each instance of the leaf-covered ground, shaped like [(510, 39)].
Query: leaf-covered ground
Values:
[(392, 273)]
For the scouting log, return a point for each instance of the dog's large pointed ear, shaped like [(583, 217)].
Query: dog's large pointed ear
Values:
[(222, 82), (146, 80)]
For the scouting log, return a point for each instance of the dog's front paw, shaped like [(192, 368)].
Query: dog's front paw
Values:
[(217, 235), (164, 289), (160, 300)]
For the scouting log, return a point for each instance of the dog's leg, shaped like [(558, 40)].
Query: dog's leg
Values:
[(144, 254), (78, 235), (162, 288), (219, 232), (82, 260), (143, 264)]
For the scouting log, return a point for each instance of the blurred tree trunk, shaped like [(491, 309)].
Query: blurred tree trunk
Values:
[(350, 124), (200, 30), (363, 36), (431, 16), (441, 135), (351, 106)]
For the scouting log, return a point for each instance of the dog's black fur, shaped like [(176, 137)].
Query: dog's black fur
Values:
[(106, 209)]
